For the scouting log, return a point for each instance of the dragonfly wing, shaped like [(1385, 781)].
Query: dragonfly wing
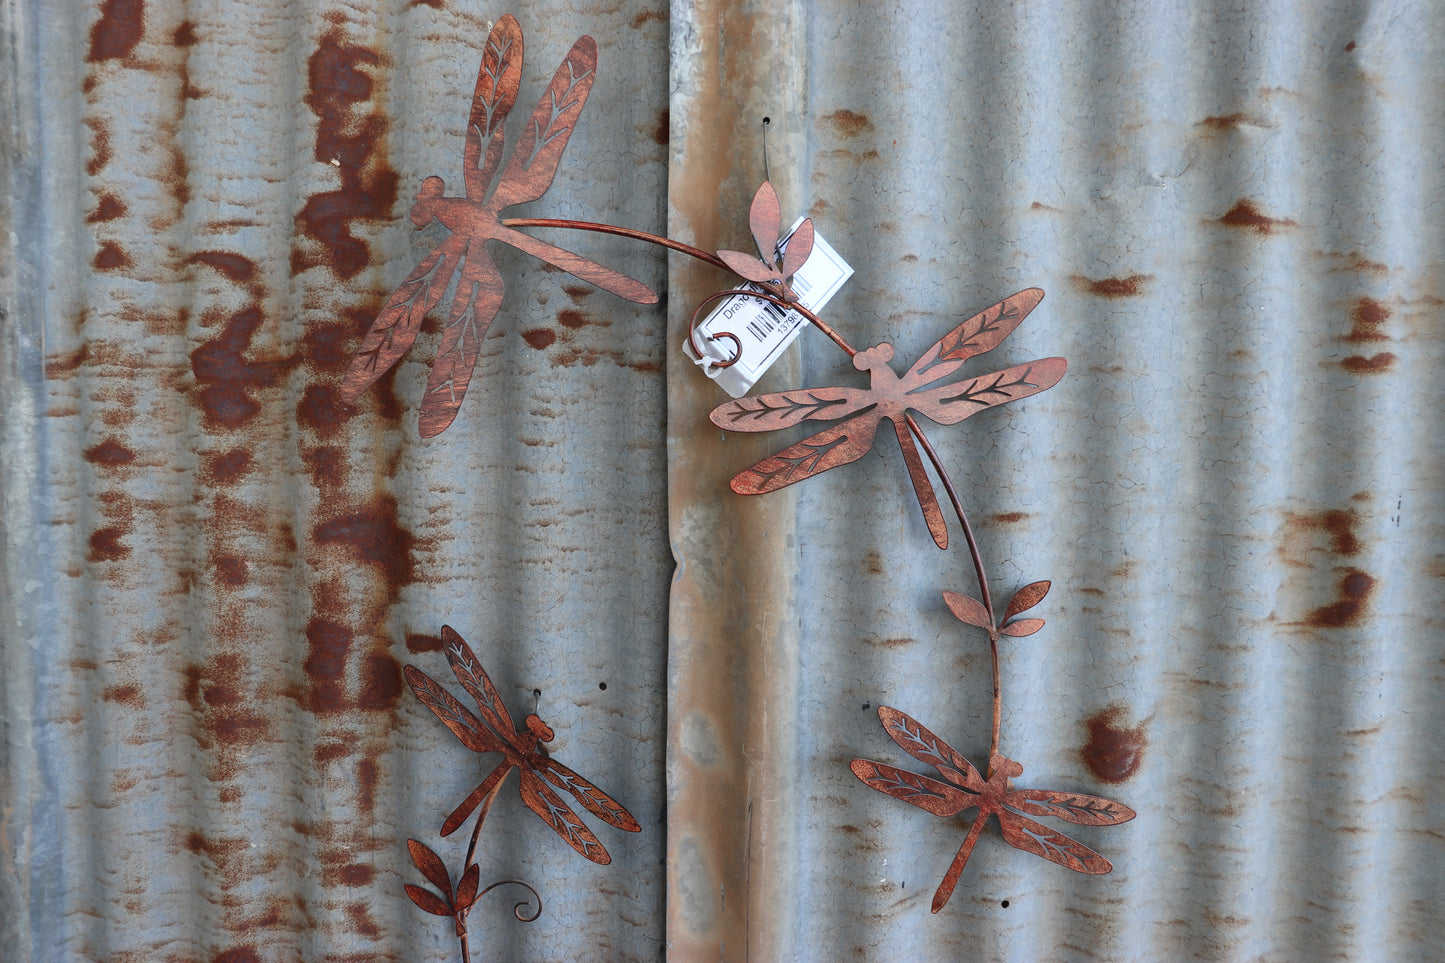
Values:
[(927, 794), (478, 297), (783, 409), (613, 282), (1071, 806), (469, 672), (829, 448), (460, 814), (395, 328), (950, 404), (545, 802), (533, 164), (922, 486), (498, 79), (467, 727), (982, 332), (597, 802), (916, 739), (1023, 833)]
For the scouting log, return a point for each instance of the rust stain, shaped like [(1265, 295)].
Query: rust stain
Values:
[(874, 561), (184, 35), (106, 545), (118, 31), (226, 378), (354, 141), (1353, 596), (662, 133), (1010, 517), (1354, 261), (109, 208), (329, 645), (1112, 287), (362, 923), (325, 347), (848, 123), (575, 319), (1224, 121), (99, 145), (1380, 363), (235, 267), (368, 774), (239, 954), (67, 363), (577, 291), (1366, 319), (417, 643), (231, 571), (1114, 751), (112, 257), (1339, 524), (540, 338), (109, 454), (322, 410), (1349, 46), (647, 15), (327, 467), (372, 535), (1245, 214), (128, 695), (330, 752), (227, 467)]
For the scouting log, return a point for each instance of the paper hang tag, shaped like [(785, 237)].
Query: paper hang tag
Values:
[(764, 329)]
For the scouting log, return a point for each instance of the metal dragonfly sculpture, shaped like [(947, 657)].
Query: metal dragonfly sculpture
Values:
[(476, 219), (892, 397), (963, 788)]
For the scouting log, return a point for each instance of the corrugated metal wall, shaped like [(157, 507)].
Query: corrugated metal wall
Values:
[(214, 569)]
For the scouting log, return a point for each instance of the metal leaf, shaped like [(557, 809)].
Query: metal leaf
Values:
[(1022, 627), (430, 864), (1026, 598), (968, 609), (429, 901)]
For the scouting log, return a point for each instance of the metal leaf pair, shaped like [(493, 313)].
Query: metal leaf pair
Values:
[(771, 268)]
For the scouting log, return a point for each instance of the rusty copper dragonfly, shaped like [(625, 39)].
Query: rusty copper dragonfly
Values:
[(964, 788), (889, 396), (522, 749), (475, 219)]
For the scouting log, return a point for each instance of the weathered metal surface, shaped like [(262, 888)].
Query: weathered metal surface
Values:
[(214, 568), (226, 565)]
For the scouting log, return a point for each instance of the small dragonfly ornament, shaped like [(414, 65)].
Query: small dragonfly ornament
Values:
[(891, 397), (476, 219)]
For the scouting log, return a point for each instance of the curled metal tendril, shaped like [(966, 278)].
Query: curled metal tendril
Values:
[(518, 907), (720, 335)]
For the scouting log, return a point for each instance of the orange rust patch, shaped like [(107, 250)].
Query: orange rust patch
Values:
[(326, 349), (371, 534), (330, 752), (127, 695), (1338, 523), (417, 643), (662, 133), (1111, 287), (231, 571), (1380, 363), (119, 29), (1366, 319), (353, 140), (106, 545), (228, 466), (848, 123), (647, 15), (112, 257), (109, 208), (1354, 593), (327, 467), (1224, 122), (329, 645), (1114, 751), (1010, 517), (184, 35), (236, 267), (577, 291), (1245, 214), (100, 146), (572, 319), (225, 376), (239, 954), (540, 338), (322, 410), (109, 454), (67, 363)]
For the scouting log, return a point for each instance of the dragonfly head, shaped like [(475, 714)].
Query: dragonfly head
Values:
[(539, 729), (877, 356), (424, 209)]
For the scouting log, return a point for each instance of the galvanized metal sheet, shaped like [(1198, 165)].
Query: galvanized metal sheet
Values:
[(214, 569)]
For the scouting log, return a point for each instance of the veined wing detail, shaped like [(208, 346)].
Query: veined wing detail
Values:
[(498, 81), (1023, 833), (533, 164), (916, 739), (545, 802), (981, 333), (475, 681), (829, 448), (1070, 806), (460, 814), (455, 716), (597, 802), (927, 794), (949, 404), (478, 298), (395, 328), (783, 409)]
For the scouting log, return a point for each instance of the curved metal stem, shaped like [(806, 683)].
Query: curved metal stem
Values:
[(678, 246), (973, 552), (517, 907)]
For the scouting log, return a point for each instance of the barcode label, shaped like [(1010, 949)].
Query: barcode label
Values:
[(763, 329)]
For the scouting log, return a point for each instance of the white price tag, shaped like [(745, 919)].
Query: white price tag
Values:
[(764, 329)]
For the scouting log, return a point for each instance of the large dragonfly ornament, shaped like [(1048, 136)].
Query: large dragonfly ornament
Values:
[(476, 219), (892, 397), (963, 788), (522, 749)]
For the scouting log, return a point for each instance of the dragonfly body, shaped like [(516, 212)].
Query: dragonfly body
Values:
[(922, 388)]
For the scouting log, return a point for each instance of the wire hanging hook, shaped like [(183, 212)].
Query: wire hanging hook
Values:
[(767, 174)]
